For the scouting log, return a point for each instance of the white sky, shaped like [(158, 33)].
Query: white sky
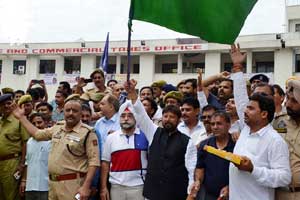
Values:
[(69, 20)]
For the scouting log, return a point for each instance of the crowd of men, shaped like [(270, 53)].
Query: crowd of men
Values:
[(118, 142)]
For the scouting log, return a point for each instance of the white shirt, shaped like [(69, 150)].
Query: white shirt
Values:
[(37, 165), (269, 155), (197, 134)]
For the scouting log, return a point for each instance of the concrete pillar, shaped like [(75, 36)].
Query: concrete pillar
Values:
[(147, 67), (283, 65), (179, 64), (118, 64), (212, 63), (59, 68), (249, 61), (32, 67), (88, 65)]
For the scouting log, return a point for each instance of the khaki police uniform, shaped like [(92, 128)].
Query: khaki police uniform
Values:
[(71, 154), (87, 95), (12, 137), (290, 131)]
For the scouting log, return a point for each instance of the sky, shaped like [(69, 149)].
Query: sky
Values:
[(24, 21)]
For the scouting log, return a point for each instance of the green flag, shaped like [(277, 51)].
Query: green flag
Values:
[(217, 21)]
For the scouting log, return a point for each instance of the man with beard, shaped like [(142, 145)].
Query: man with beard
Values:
[(124, 159), (190, 88), (264, 165), (74, 156), (289, 128), (168, 172)]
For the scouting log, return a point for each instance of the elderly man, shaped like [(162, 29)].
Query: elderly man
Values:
[(13, 139), (168, 172), (289, 128), (74, 156), (124, 159)]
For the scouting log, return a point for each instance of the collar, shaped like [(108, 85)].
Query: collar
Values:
[(75, 129), (292, 121), (114, 118), (261, 132), (9, 118), (198, 125), (136, 132)]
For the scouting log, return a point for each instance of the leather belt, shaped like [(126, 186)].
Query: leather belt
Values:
[(65, 177), (10, 156), (290, 189), (294, 189)]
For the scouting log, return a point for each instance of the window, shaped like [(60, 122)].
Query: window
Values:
[(19, 67), (135, 65), (226, 63), (297, 27), (264, 67), (72, 65), (47, 66), (111, 64), (297, 63), (192, 62), (166, 63), (263, 62)]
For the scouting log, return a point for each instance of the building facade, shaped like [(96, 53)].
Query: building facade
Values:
[(171, 60)]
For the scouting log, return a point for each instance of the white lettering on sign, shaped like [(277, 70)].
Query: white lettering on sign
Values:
[(85, 50)]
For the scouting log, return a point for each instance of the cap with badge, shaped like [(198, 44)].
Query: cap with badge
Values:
[(5, 97), (175, 95), (72, 97), (96, 97), (7, 90), (261, 77), (294, 87), (24, 99), (159, 84), (168, 88)]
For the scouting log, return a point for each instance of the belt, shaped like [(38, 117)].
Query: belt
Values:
[(65, 177), (290, 189), (294, 189), (9, 156)]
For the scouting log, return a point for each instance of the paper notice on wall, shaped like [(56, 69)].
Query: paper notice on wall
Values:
[(121, 78), (71, 78), (50, 79)]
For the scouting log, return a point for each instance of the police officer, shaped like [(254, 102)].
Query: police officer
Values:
[(98, 79), (289, 128), (13, 137), (74, 157)]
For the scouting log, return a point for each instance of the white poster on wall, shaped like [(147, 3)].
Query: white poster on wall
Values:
[(50, 79), (71, 78)]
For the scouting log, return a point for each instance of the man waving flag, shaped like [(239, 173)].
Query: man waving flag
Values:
[(218, 21)]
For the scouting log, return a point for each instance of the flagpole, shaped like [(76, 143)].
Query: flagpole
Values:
[(129, 40)]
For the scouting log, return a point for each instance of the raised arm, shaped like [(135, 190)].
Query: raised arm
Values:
[(19, 114), (239, 84), (142, 119), (202, 92), (42, 135)]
